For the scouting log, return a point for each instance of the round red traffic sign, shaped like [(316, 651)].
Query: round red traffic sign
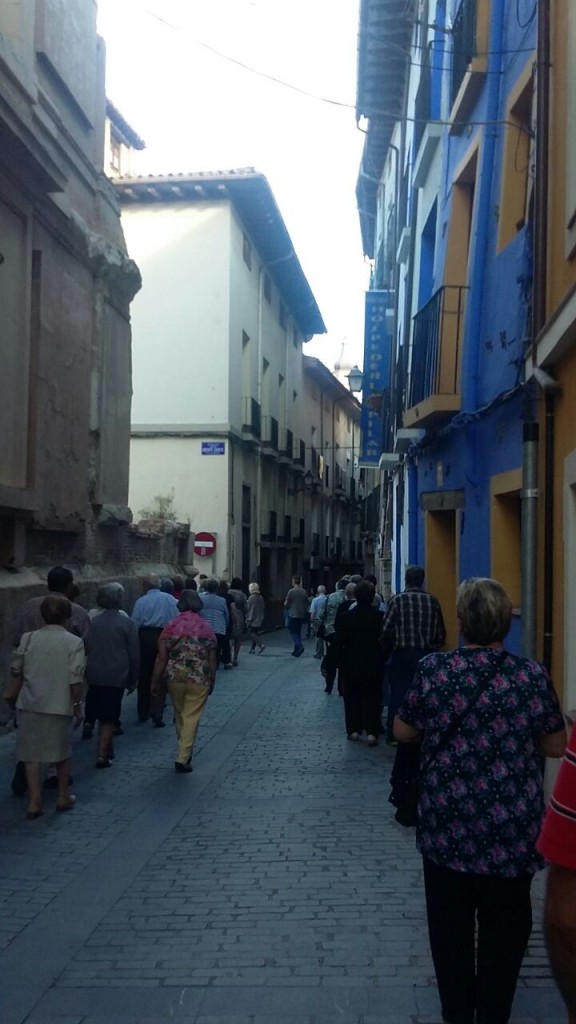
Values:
[(204, 544)]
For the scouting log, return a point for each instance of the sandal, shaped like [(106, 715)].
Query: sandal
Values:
[(32, 815), (103, 762), (68, 806)]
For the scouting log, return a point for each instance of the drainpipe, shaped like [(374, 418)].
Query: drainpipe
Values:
[(529, 507), (548, 603), (412, 473), (484, 218), (544, 381)]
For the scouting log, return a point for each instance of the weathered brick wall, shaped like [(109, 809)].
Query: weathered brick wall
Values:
[(121, 554)]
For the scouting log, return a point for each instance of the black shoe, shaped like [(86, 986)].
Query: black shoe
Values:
[(103, 762), (52, 782), (158, 723), (19, 785), (182, 769)]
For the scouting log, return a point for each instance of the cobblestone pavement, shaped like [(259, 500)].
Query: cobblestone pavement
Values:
[(272, 886)]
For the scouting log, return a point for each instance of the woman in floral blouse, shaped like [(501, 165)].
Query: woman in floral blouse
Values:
[(187, 660), (485, 718)]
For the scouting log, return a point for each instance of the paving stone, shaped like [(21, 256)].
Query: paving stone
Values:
[(271, 887)]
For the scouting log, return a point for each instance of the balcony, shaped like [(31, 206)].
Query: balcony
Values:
[(469, 62), (270, 527), (299, 537), (287, 447), (286, 536), (251, 417), (433, 391), (340, 484), (423, 100), (427, 131), (300, 456), (269, 436)]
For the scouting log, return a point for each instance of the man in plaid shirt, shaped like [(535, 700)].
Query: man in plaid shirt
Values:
[(413, 627)]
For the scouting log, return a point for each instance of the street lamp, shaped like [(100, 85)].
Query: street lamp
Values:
[(355, 380)]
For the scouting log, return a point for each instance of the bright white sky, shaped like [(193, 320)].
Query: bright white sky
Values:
[(198, 111)]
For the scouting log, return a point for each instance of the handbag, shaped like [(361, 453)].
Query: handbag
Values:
[(408, 771), (12, 692)]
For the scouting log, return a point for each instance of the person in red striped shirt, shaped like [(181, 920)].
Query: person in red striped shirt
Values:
[(557, 843)]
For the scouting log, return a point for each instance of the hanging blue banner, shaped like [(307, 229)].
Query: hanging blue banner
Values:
[(378, 320)]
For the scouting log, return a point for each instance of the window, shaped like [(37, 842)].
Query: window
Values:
[(267, 288), (282, 315), (461, 214), (247, 251), (517, 170)]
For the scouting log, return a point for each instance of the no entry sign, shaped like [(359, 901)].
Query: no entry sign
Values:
[(204, 544)]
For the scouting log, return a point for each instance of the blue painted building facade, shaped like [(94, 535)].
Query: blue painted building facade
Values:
[(444, 195)]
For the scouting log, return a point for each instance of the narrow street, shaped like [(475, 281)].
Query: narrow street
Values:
[(270, 887)]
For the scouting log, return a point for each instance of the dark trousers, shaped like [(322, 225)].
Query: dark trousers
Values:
[(362, 706), (148, 636), (295, 630), (400, 672), (481, 980), (330, 664), (223, 656)]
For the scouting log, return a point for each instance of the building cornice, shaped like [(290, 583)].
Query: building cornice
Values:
[(251, 197)]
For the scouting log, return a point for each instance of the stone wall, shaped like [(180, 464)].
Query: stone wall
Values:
[(124, 554)]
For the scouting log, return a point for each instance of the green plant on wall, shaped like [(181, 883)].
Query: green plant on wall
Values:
[(161, 507)]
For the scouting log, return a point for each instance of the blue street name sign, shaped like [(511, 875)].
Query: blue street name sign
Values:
[(213, 447)]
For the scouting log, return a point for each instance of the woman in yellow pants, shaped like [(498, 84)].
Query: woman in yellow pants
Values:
[(187, 661)]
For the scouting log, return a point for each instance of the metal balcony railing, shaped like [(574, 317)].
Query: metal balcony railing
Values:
[(287, 448), (251, 419), (423, 100), (270, 526), (464, 33), (436, 346), (270, 432)]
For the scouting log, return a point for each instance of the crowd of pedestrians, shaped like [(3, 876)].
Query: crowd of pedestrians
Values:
[(71, 668), (471, 728)]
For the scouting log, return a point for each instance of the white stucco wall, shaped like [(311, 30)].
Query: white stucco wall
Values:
[(180, 318), (199, 483)]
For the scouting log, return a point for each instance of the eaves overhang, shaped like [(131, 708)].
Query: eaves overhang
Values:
[(384, 39), (125, 131), (250, 195)]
